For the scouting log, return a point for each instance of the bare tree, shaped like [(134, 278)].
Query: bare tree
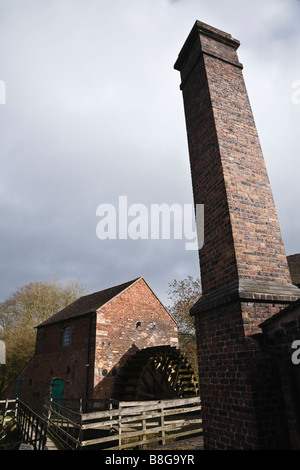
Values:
[(184, 295), (23, 311)]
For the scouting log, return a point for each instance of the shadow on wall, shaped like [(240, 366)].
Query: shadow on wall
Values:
[(105, 387)]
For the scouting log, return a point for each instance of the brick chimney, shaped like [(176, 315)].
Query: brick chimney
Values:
[(244, 271)]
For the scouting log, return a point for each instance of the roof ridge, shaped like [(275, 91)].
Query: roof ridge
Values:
[(127, 284), (88, 303)]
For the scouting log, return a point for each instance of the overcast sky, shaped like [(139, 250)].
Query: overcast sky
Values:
[(93, 111)]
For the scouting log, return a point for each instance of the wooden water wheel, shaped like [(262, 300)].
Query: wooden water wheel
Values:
[(156, 373)]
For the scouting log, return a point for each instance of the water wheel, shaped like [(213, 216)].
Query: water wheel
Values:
[(156, 373)]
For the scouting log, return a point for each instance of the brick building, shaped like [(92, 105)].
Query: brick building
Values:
[(81, 350), (279, 334), (245, 276)]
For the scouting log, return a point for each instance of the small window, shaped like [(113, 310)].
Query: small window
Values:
[(67, 337)]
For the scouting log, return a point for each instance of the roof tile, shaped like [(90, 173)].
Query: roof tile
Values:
[(88, 303)]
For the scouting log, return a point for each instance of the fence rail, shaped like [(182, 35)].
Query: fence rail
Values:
[(131, 425), (125, 425), (7, 411), (64, 424), (32, 428)]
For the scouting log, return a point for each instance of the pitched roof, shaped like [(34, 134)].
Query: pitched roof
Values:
[(87, 303)]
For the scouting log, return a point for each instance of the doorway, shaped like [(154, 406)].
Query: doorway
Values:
[(57, 391)]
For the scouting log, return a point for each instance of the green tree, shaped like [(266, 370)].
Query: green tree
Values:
[(23, 311), (184, 294)]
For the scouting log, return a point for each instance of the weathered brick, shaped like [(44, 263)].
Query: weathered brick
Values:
[(102, 341), (244, 272)]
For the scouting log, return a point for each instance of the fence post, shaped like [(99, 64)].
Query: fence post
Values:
[(49, 411), (119, 428), (49, 415), (16, 408), (27, 424), (162, 423), (80, 433), (5, 412), (110, 409), (144, 426)]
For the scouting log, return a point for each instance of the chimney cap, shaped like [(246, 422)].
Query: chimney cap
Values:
[(217, 34), (202, 29)]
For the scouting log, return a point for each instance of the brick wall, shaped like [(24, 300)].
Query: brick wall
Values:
[(244, 271), (52, 360), (242, 238), (294, 265), (239, 384), (101, 343), (133, 320), (279, 334)]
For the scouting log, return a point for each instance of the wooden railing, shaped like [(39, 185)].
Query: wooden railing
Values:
[(64, 424), (7, 411), (130, 426), (32, 428)]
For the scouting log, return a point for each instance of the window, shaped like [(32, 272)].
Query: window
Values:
[(67, 337), (18, 388)]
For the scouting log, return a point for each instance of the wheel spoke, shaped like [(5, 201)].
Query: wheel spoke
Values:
[(156, 372)]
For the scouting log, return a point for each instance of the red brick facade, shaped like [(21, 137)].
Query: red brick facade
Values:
[(133, 320), (106, 327), (242, 233), (244, 271), (281, 337)]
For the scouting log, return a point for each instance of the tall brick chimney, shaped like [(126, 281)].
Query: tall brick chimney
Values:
[(244, 271)]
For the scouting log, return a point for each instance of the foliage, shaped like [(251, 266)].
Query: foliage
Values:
[(23, 311), (184, 294)]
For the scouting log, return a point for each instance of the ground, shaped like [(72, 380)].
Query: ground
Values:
[(195, 443)]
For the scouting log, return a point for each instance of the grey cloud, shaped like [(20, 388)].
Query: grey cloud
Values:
[(94, 111)]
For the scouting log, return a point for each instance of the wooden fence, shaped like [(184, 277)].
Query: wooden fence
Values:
[(32, 428), (64, 424), (132, 425), (7, 411)]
